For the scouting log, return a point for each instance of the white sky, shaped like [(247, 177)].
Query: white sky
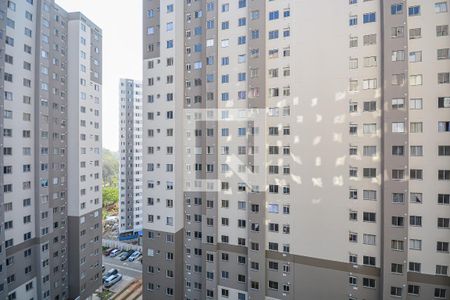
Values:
[(121, 23)]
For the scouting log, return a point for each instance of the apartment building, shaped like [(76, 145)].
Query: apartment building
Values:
[(296, 149), (130, 177), (51, 123)]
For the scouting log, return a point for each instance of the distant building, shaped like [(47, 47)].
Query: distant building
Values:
[(130, 178)]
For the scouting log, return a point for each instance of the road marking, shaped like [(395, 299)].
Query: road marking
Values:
[(122, 267)]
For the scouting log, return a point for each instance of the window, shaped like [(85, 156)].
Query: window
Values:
[(369, 17), (397, 32), (369, 39), (397, 245), (369, 260), (444, 78), (444, 199), (416, 127), (414, 267), (443, 53), (440, 7), (398, 127), (398, 79), (396, 291), (370, 151), (416, 174), (415, 220), (398, 103), (414, 10), (415, 80), (369, 84), (273, 34), (441, 270), (413, 289), (416, 103), (444, 126), (415, 56), (398, 221), (369, 195), (273, 15), (370, 61), (369, 239), (369, 217), (397, 8), (368, 282), (440, 293), (444, 151), (273, 285), (11, 5), (369, 172), (353, 237), (353, 20), (397, 268), (415, 244), (441, 30), (444, 174), (443, 222), (416, 151), (369, 128)]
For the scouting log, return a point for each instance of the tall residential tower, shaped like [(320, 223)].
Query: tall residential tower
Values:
[(50, 63), (296, 149), (130, 181)]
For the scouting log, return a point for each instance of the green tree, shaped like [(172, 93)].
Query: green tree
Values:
[(110, 168), (110, 195)]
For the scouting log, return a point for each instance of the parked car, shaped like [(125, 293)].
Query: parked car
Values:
[(110, 273), (125, 255), (114, 252), (135, 255), (112, 280)]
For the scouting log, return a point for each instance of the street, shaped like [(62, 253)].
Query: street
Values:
[(131, 269)]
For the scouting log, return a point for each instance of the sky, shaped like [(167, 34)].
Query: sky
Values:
[(121, 23)]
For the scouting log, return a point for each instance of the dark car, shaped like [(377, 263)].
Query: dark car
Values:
[(109, 274), (125, 255)]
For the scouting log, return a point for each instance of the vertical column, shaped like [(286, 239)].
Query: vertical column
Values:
[(209, 146), (50, 171), (395, 151), (257, 152), (84, 145), (3, 285), (195, 195), (163, 177)]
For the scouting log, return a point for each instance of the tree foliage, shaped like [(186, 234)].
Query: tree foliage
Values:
[(110, 195), (110, 168)]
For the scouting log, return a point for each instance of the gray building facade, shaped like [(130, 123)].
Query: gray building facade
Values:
[(296, 149), (37, 92)]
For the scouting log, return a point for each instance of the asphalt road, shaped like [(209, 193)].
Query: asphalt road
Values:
[(131, 269)]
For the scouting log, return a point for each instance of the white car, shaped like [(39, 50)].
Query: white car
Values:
[(114, 252), (112, 280), (133, 256)]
